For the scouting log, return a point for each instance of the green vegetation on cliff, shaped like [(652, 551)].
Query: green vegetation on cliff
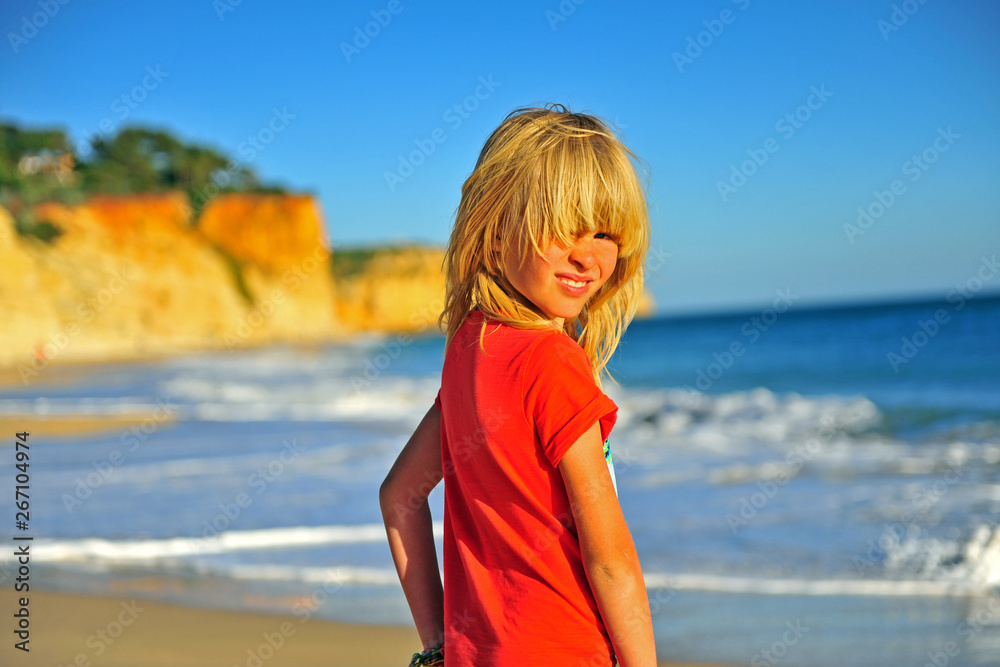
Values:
[(349, 262), (41, 165)]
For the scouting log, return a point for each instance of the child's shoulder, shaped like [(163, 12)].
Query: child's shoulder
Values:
[(554, 353), (556, 343)]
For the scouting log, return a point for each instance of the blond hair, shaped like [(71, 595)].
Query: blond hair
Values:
[(548, 175)]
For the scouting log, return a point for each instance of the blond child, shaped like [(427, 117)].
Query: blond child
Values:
[(544, 270)]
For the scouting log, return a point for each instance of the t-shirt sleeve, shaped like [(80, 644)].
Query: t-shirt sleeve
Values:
[(561, 398), (437, 400)]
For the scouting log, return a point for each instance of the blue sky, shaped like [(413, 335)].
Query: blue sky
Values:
[(892, 78)]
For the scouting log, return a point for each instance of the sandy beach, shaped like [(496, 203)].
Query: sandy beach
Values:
[(70, 629)]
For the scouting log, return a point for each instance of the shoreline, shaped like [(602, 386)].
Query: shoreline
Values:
[(83, 629), (58, 370)]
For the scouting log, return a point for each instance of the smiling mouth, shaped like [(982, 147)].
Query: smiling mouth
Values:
[(573, 283)]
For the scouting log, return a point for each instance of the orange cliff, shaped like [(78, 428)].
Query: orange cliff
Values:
[(130, 277), (272, 232), (279, 242)]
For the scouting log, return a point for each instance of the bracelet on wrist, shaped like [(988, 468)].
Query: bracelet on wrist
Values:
[(433, 657)]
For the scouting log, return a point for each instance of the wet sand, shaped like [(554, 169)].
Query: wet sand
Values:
[(69, 629), (75, 426)]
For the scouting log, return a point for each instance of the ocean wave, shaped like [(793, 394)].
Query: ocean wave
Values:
[(721, 422), (159, 550), (656, 583), (925, 567), (739, 437), (975, 558), (724, 423), (817, 587), (249, 400), (119, 406)]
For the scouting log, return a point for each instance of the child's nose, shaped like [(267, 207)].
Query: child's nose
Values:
[(583, 253)]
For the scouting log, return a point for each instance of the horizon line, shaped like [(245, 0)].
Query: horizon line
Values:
[(831, 304)]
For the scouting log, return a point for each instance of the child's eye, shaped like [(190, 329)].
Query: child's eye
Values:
[(605, 235)]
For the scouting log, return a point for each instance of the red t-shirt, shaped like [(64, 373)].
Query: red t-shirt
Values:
[(515, 590)]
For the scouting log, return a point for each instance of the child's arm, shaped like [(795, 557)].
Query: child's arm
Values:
[(407, 517), (608, 552)]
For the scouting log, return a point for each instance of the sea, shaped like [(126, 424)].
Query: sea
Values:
[(805, 485)]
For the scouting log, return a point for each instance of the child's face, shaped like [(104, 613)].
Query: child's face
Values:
[(552, 281)]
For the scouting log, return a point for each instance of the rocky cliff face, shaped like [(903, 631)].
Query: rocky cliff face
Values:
[(130, 277), (394, 289), (271, 232), (279, 244)]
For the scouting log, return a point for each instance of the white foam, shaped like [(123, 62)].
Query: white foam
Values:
[(320, 399), (729, 423), (742, 437), (153, 551), (123, 406), (654, 581), (977, 572), (228, 400), (282, 387), (976, 559), (881, 587), (341, 575)]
